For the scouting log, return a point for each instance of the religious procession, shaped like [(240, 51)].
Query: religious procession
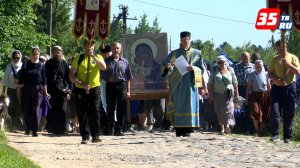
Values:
[(136, 84)]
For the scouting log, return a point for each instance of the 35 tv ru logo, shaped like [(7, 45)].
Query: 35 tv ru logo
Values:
[(270, 19)]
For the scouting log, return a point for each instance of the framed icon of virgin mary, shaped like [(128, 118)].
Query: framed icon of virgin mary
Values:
[(145, 53)]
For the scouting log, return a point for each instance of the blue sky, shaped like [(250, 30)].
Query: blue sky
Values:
[(206, 20)]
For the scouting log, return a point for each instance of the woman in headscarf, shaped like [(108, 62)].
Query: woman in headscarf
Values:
[(34, 87), (258, 96), (222, 86), (10, 89)]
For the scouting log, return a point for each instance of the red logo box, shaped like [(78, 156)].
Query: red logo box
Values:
[(267, 19)]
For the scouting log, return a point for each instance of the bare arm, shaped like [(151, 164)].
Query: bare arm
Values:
[(292, 67), (100, 63), (268, 84), (46, 91), (73, 77), (128, 89)]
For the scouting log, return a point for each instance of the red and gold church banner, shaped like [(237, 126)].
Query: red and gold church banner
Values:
[(296, 14), (104, 19), (284, 7), (271, 4), (79, 18), (92, 9)]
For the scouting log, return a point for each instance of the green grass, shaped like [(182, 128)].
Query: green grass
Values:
[(11, 158), (296, 128)]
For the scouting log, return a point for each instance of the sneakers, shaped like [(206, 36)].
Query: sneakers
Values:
[(69, 128), (27, 132), (287, 141), (186, 135), (84, 141), (149, 127), (34, 134), (96, 140), (119, 134), (227, 130), (275, 138), (131, 129)]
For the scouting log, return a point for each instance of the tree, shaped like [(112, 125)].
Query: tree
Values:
[(197, 44), (206, 48), (227, 48), (18, 29), (155, 26), (208, 51), (62, 26), (144, 27), (293, 41)]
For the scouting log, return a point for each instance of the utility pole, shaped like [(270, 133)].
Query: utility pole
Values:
[(124, 14), (49, 24)]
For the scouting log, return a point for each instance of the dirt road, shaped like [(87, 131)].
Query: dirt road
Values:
[(159, 149)]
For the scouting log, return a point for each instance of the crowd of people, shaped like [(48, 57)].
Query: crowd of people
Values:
[(89, 92)]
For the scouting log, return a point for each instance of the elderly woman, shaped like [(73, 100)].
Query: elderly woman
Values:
[(258, 96), (33, 82), (222, 87), (58, 83), (10, 89)]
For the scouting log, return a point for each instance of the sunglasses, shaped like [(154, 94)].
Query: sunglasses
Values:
[(221, 62), (16, 58)]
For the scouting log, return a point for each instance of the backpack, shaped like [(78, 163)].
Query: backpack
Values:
[(80, 59)]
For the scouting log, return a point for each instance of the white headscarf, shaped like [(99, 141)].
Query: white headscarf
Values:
[(261, 77), (19, 63), (221, 58)]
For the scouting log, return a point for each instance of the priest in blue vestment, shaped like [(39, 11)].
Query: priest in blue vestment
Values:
[(183, 91)]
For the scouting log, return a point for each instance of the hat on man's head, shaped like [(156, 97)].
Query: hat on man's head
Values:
[(185, 34), (106, 49)]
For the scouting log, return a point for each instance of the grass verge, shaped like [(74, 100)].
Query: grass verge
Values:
[(296, 127), (11, 158)]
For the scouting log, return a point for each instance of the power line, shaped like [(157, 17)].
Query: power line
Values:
[(195, 13)]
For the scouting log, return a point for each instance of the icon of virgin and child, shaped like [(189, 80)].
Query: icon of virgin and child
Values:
[(145, 65)]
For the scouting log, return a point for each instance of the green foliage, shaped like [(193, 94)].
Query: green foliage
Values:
[(155, 26), (210, 52), (1, 75), (116, 32), (296, 128), (207, 49), (18, 30), (10, 158), (144, 26), (293, 40), (62, 27)]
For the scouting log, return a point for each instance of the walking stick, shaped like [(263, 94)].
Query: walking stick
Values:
[(88, 71), (283, 48)]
